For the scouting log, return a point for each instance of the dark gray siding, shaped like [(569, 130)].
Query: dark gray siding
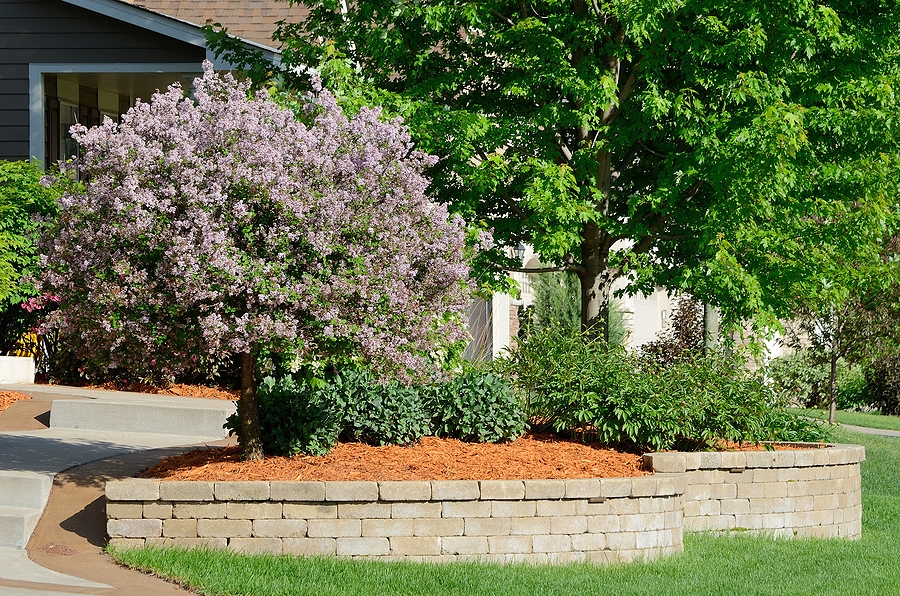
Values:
[(51, 31)]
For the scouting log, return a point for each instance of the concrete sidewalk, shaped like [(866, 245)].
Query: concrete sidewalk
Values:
[(61, 515)]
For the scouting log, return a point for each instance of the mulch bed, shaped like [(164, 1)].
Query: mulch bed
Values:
[(179, 389), (8, 398), (533, 457)]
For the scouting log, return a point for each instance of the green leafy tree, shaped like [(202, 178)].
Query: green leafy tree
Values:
[(853, 314), (22, 200), (702, 146)]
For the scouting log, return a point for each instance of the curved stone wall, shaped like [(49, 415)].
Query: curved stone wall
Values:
[(540, 521), (805, 492)]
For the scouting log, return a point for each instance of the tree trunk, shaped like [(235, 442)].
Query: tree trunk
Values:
[(251, 443), (596, 283), (832, 410), (710, 329)]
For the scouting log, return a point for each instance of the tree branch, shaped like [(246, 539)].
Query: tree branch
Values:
[(646, 242)]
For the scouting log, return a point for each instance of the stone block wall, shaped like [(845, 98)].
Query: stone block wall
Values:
[(540, 521), (808, 492)]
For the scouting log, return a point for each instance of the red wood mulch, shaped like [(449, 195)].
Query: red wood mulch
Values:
[(431, 459)]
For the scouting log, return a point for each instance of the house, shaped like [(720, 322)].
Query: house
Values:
[(68, 61)]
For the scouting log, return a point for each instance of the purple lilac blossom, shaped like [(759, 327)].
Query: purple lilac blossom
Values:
[(222, 224)]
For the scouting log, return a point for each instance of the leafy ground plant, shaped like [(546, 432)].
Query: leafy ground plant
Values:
[(709, 566)]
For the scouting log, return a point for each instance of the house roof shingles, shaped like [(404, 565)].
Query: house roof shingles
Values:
[(253, 20)]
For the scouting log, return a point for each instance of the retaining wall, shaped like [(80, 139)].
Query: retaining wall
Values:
[(541, 521), (807, 492)]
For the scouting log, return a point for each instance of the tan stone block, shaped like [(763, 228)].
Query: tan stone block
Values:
[(191, 543), (464, 545), (568, 558), (577, 524), (760, 459), (585, 507), (333, 528), (387, 527), (127, 543), (487, 526), (405, 491), (363, 546), (582, 488), (554, 508), (553, 543), (416, 545), (255, 490), (711, 460), (179, 528), (348, 491), (513, 508), (588, 542), (502, 490), (620, 541), (134, 528), (625, 506), (255, 546), (787, 475), (692, 460), (455, 490), (253, 510), (545, 489), (298, 491), (466, 509), (279, 528), (157, 510), (644, 486), (668, 485), (309, 546), (750, 490), (127, 510), (727, 491), (653, 504), (224, 528), (603, 524), (185, 490), (735, 506), (309, 511), (615, 487), (775, 490), (133, 489), (529, 525), (665, 462), (710, 508), (416, 510), (509, 544), (797, 489), (364, 510), (439, 527), (198, 510), (646, 540)]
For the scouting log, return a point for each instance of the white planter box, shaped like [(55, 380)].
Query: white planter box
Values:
[(16, 369)]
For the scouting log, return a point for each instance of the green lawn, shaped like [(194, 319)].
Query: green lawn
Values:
[(855, 418), (710, 565)]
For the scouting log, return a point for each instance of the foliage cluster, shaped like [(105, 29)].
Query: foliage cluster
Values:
[(221, 223), (803, 380), (25, 207), (557, 303), (306, 413), (883, 383), (683, 339), (572, 383)]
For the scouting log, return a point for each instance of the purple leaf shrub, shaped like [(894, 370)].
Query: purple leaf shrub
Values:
[(221, 224)]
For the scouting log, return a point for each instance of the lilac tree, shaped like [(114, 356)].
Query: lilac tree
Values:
[(222, 224)]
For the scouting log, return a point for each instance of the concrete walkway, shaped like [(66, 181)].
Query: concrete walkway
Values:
[(122, 433), (872, 431)]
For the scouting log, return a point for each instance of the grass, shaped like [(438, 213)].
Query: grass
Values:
[(855, 418), (710, 565)]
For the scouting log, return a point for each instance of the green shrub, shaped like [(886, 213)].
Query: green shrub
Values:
[(477, 407), (577, 385), (375, 413), (294, 417)]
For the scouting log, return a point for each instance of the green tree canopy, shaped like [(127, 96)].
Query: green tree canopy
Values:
[(722, 147)]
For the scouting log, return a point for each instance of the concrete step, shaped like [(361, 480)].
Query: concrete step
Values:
[(16, 525), (24, 489), (149, 414)]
